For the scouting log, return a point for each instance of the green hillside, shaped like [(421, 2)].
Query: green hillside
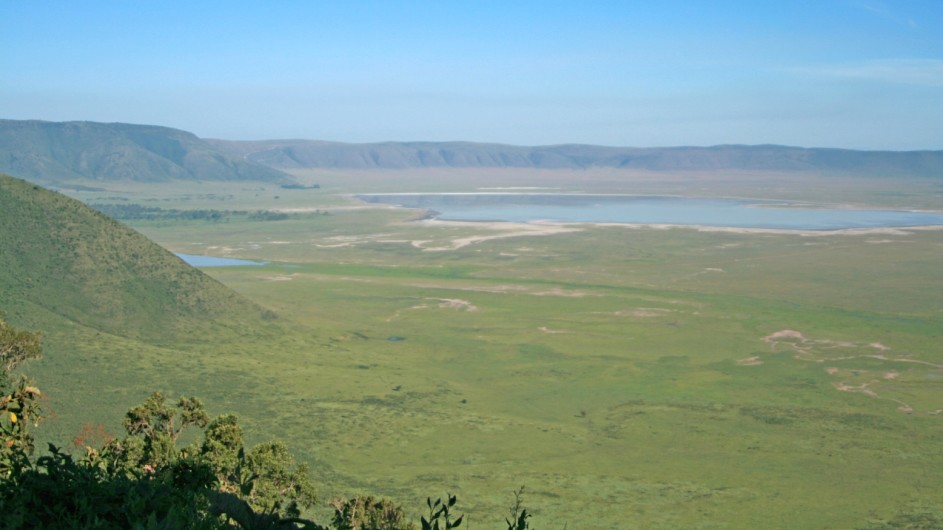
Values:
[(54, 151), (63, 259)]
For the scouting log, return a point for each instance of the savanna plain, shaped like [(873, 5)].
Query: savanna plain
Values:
[(627, 377)]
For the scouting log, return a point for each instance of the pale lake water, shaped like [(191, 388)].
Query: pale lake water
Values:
[(210, 261), (652, 210)]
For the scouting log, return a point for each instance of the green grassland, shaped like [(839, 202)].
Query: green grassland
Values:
[(628, 377)]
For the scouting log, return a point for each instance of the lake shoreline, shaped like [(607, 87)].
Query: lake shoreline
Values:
[(658, 211), (512, 225)]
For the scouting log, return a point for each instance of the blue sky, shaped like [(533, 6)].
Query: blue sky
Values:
[(865, 74)]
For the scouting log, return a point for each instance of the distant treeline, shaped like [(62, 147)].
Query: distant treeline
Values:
[(137, 212)]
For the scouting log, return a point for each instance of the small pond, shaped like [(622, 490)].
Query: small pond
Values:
[(210, 261), (651, 210)]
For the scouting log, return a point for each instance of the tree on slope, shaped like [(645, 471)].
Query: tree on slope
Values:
[(19, 406)]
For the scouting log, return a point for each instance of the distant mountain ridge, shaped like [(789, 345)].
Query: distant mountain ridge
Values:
[(48, 152), (296, 154)]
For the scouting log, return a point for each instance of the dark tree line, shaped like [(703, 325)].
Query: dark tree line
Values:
[(137, 212)]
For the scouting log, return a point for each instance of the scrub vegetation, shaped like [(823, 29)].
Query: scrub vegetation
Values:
[(630, 377)]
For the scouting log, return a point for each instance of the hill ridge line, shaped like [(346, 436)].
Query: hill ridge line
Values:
[(47, 152)]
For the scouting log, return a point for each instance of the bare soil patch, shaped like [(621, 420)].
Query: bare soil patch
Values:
[(750, 361), (456, 303), (279, 278), (822, 350), (505, 230)]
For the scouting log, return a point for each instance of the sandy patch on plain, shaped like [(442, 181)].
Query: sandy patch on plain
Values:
[(279, 278), (816, 350), (784, 335), (750, 361), (862, 389), (443, 303), (506, 289), (347, 241), (456, 303), (224, 250), (506, 230), (556, 291)]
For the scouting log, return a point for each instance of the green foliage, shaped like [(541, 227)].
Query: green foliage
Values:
[(19, 410), (266, 477), (440, 516), (518, 514), (280, 485), (19, 402), (368, 513), (144, 480), (16, 347), (58, 492), (154, 428), (222, 449)]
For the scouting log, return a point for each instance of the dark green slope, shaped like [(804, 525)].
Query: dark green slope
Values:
[(61, 259), (54, 151)]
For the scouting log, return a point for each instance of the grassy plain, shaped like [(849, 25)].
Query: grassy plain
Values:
[(629, 377)]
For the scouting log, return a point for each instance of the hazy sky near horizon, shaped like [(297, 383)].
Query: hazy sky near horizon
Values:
[(864, 74)]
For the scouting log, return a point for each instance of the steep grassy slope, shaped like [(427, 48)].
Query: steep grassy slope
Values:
[(46, 152), (63, 259)]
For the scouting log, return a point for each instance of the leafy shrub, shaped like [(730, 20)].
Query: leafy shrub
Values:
[(368, 513), (440, 516)]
